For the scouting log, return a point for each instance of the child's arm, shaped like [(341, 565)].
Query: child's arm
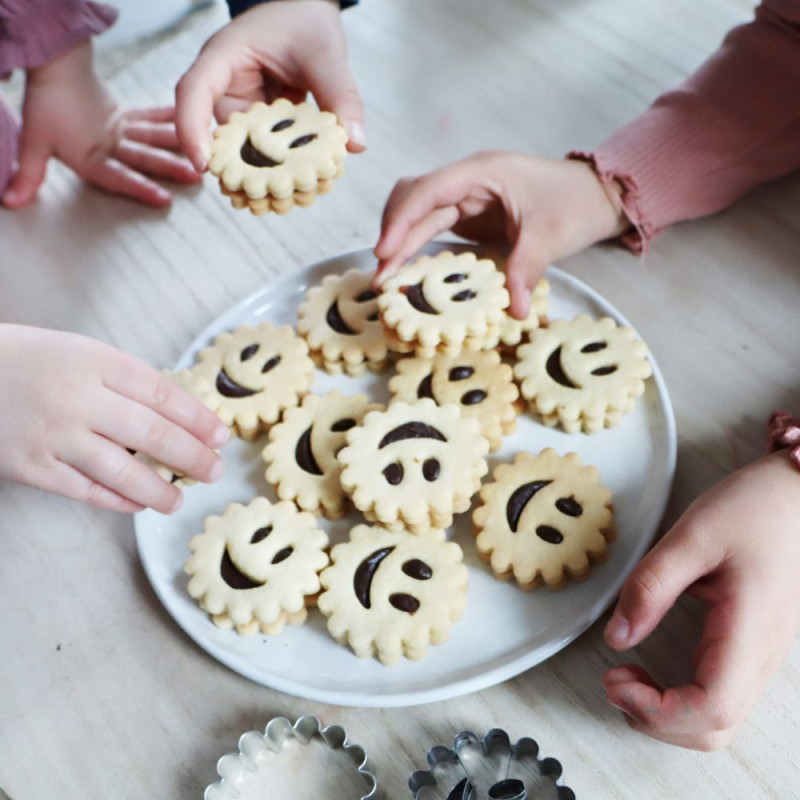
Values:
[(72, 407), (281, 48), (737, 547)]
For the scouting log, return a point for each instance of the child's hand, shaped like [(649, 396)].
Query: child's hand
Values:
[(738, 548), (544, 208), (70, 408), (274, 49), (68, 113)]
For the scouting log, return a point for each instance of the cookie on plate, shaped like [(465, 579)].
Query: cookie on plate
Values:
[(414, 465), (273, 157), (391, 594), (339, 320), (301, 454), (256, 373), (448, 303), (256, 567), (476, 381), (582, 374), (199, 388), (543, 518)]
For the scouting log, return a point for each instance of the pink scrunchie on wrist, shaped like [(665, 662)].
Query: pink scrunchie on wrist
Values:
[(783, 430)]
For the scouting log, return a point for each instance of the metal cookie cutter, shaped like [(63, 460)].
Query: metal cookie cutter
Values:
[(304, 760), (489, 769)]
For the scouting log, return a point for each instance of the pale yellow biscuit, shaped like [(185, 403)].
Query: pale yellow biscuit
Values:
[(544, 517), (255, 567), (513, 331), (584, 372), (391, 594)]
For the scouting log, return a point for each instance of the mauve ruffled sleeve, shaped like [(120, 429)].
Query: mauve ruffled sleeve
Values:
[(732, 125), (34, 32)]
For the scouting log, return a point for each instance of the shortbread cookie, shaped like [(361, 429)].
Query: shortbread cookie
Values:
[(478, 382), (273, 157), (446, 302), (339, 320), (256, 374), (391, 594), (301, 454), (199, 388), (513, 331), (543, 517), (582, 374), (256, 567), (414, 465)]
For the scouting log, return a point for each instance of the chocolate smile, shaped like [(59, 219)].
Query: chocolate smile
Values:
[(411, 430), (519, 499), (233, 576), (335, 321), (228, 387), (251, 155), (556, 371), (304, 455), (365, 573), (417, 299)]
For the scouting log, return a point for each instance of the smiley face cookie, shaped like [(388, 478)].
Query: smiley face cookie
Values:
[(256, 374), (445, 302), (256, 567), (513, 331), (582, 374), (339, 320), (478, 382), (273, 157), (414, 465), (301, 454), (199, 388), (545, 518), (391, 594)]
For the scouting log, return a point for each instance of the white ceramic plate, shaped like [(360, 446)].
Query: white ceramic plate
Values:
[(504, 630)]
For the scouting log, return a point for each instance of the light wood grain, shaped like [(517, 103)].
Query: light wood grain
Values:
[(101, 694)]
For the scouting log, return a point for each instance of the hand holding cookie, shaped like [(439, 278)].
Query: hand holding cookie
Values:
[(74, 409), (737, 548), (545, 209), (273, 50)]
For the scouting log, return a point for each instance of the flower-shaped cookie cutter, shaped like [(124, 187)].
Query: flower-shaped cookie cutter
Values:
[(286, 759), (489, 769)]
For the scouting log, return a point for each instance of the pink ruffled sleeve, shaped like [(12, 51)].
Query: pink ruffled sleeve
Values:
[(34, 32), (732, 125)]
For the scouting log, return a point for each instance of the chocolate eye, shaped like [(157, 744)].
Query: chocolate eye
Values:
[(549, 535), (456, 277), (248, 352), (569, 506), (593, 347), (460, 373), (282, 555), (302, 141), (404, 602), (467, 294), (431, 469), (417, 569), (365, 296), (393, 473), (271, 364), (261, 534), (282, 125), (474, 397), (373, 317), (604, 370), (343, 425)]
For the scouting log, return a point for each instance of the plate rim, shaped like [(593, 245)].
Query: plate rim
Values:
[(485, 679)]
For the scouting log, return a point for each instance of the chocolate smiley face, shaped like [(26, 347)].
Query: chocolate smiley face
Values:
[(256, 373), (278, 149), (339, 320), (301, 454), (413, 465), (543, 518), (582, 374), (255, 566), (392, 594), (478, 382), (445, 300)]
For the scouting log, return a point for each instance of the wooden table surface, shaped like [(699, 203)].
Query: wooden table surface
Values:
[(101, 693)]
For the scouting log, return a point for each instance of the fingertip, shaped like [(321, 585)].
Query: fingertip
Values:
[(176, 503), (219, 435), (216, 472), (357, 137), (617, 631)]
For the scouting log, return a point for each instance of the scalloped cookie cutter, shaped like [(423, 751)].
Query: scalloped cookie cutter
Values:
[(281, 762), (489, 769)]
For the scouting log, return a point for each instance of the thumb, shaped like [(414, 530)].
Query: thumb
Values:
[(335, 90), (524, 266), (29, 175), (649, 592)]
